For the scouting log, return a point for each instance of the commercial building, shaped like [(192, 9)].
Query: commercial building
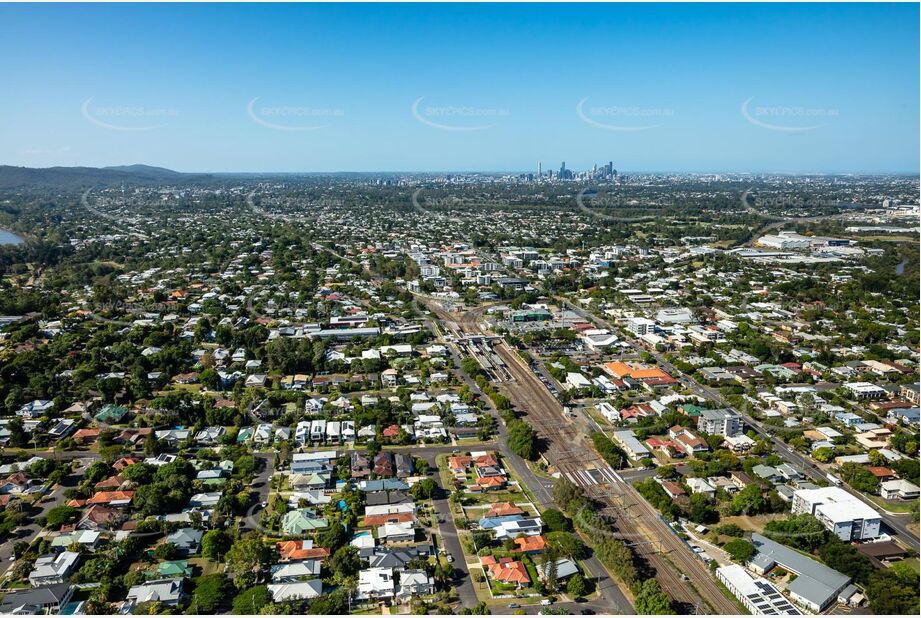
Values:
[(759, 596), (849, 518)]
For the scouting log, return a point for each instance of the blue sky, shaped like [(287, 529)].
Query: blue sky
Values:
[(714, 87)]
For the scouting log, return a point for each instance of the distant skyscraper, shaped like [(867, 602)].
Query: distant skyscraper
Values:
[(540, 170)]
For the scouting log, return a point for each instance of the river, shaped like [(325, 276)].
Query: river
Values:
[(9, 238)]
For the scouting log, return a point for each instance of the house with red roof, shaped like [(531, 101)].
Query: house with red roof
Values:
[(531, 544), (501, 509), (301, 550), (674, 490), (123, 463), (112, 498), (507, 571), (485, 483)]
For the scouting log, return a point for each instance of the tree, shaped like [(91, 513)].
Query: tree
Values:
[(209, 379), (60, 515), (568, 495), (740, 550), (749, 501), (480, 609), (214, 544), (548, 568), (610, 452), (332, 604), (859, 478), (344, 563), (251, 600), (700, 510), (845, 558), (470, 366), (425, 488), (650, 600), (246, 559), (522, 439), (893, 591), (568, 545), (576, 587), (210, 592), (333, 536), (422, 466), (800, 531), (556, 521), (165, 551)]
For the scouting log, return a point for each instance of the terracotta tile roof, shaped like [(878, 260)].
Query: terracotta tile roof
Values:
[(503, 508), (509, 571), (99, 515), (300, 550), (459, 462), (491, 481), (111, 482), (485, 460), (380, 520), (107, 497), (123, 463), (531, 543)]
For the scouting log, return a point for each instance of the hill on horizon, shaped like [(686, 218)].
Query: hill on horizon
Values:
[(13, 177)]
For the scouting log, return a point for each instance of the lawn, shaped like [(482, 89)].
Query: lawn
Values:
[(895, 507), (207, 566), (754, 523), (491, 497), (913, 563)]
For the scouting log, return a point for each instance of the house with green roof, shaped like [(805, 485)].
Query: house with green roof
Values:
[(301, 521), (171, 569), (111, 413), (689, 409)]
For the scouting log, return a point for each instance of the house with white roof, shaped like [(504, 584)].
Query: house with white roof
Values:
[(376, 583)]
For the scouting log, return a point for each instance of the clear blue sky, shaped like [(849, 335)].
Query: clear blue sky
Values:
[(829, 88)]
